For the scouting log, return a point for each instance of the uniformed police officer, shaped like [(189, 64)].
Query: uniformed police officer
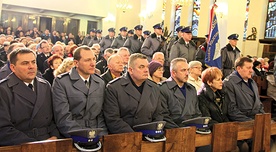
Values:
[(88, 38), (120, 40), (201, 51), (130, 33), (132, 99), (174, 39), (79, 94), (184, 47), (229, 54), (146, 34), (26, 113), (96, 39), (154, 43), (134, 43), (107, 40)]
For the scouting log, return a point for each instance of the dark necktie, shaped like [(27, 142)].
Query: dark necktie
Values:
[(187, 45), (159, 39), (87, 84), (30, 86)]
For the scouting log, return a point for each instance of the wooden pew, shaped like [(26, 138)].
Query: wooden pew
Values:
[(130, 142), (262, 88), (59, 145), (178, 137), (16, 148), (223, 138)]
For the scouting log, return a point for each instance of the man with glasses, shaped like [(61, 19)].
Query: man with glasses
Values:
[(44, 55), (195, 69)]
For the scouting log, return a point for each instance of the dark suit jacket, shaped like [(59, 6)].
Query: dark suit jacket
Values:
[(107, 77), (40, 61), (25, 115), (125, 107), (49, 76)]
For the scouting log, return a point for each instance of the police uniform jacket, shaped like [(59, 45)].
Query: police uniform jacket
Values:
[(25, 115), (125, 107), (118, 42), (86, 40), (76, 106), (243, 102), (94, 41), (168, 50), (105, 43), (5, 71), (208, 106), (181, 50), (134, 44), (177, 107), (152, 45), (228, 58)]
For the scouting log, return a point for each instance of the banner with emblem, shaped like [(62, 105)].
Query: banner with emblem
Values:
[(213, 57)]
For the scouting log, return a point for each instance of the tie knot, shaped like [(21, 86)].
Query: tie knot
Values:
[(86, 83), (30, 86)]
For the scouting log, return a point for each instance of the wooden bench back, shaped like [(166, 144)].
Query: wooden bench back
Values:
[(223, 138)]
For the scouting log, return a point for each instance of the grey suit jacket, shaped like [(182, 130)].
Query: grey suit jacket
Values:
[(76, 106), (177, 107), (25, 115), (243, 103), (125, 107)]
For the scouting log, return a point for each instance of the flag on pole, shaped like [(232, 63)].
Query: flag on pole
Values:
[(213, 57)]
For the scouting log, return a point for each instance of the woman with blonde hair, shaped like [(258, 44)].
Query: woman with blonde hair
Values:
[(66, 65)]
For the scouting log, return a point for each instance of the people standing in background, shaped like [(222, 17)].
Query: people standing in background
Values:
[(229, 54)]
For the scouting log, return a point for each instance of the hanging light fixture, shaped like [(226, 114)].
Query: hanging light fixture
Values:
[(123, 5)]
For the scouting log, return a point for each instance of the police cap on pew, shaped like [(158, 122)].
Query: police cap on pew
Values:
[(153, 131), (201, 124), (86, 139)]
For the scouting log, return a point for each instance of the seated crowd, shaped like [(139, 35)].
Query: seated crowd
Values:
[(46, 91)]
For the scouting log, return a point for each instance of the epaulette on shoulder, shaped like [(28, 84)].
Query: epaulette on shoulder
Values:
[(114, 80), (41, 80), (62, 75), (97, 75), (192, 43), (3, 80)]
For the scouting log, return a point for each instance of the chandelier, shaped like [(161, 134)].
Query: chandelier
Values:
[(183, 2), (123, 5)]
